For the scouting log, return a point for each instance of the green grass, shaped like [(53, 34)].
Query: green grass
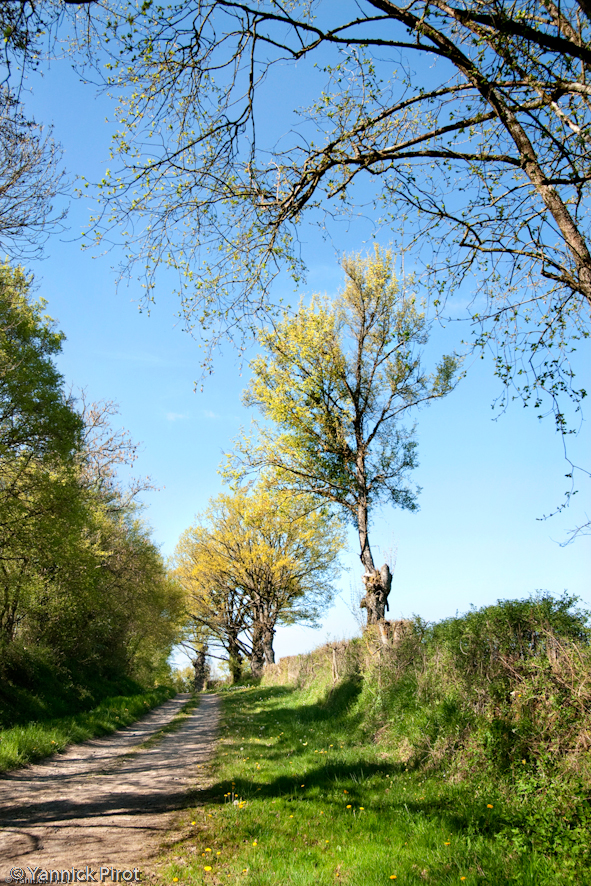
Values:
[(36, 740), (302, 796)]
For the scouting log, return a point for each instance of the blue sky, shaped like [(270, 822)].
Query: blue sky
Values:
[(477, 536)]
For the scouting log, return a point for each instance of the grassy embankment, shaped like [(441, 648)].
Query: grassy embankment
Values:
[(34, 731), (457, 756)]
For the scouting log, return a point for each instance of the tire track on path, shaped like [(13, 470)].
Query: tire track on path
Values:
[(107, 802)]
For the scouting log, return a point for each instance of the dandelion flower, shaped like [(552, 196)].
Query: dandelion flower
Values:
[(175, 879), (392, 876), (348, 805), (447, 844), (207, 867), (193, 822), (255, 843), (362, 808), (489, 805), (208, 850), (345, 792)]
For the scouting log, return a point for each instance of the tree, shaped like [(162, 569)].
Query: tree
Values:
[(472, 120), (257, 559), (30, 179), (335, 381), (103, 451), (81, 582), (36, 417), (40, 434)]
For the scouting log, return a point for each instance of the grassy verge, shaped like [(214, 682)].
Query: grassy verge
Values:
[(302, 797), (33, 741)]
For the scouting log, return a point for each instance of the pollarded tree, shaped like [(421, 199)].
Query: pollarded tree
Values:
[(257, 559), (335, 380)]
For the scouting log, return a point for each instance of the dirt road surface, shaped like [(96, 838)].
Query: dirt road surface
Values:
[(107, 803)]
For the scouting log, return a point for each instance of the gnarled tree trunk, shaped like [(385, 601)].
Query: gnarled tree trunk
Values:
[(377, 582), (377, 587)]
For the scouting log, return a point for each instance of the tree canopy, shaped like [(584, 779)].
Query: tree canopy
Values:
[(238, 120), (256, 559)]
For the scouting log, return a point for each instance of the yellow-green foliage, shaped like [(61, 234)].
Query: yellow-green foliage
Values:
[(256, 556)]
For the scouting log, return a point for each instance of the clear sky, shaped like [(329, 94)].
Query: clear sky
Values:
[(477, 537)]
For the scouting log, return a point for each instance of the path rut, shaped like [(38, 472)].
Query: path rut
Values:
[(108, 802)]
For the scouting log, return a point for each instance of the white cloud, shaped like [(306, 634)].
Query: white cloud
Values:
[(174, 416)]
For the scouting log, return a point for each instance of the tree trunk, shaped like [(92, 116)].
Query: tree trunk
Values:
[(377, 582), (234, 660), (257, 657), (268, 637), (200, 670), (377, 587), (363, 529)]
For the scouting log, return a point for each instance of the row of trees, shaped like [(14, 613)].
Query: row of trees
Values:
[(254, 560), (82, 586), (334, 383)]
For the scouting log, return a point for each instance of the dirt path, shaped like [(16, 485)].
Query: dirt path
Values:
[(107, 803)]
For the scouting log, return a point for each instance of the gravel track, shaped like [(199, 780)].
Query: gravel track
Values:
[(109, 802)]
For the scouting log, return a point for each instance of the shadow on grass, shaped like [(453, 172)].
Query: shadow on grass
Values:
[(454, 812)]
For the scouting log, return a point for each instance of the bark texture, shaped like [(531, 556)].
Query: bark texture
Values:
[(377, 588)]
